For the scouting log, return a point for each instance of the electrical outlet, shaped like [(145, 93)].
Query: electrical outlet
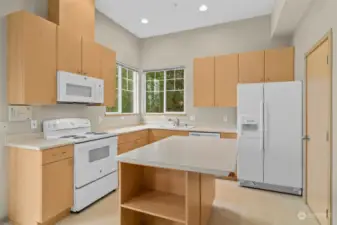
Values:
[(225, 118), (192, 118), (122, 117), (33, 124)]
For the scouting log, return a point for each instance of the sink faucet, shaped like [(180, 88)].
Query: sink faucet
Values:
[(176, 122)]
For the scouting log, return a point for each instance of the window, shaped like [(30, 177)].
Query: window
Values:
[(165, 91), (126, 91)]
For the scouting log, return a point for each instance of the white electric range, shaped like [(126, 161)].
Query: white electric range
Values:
[(95, 165)]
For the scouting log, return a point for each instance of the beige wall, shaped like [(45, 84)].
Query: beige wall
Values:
[(319, 19), (179, 50), (107, 33)]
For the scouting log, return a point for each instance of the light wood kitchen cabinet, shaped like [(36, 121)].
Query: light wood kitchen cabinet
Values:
[(279, 64), (204, 82), (57, 188), (157, 135), (77, 16), (251, 67), (226, 80), (108, 73), (69, 51), (40, 185), (91, 58), (130, 141), (31, 60)]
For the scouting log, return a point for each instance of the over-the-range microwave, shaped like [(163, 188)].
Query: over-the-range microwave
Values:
[(74, 88)]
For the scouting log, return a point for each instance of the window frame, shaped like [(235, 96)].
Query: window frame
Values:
[(120, 90), (165, 94)]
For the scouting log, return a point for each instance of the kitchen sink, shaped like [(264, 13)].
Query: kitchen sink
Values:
[(169, 126)]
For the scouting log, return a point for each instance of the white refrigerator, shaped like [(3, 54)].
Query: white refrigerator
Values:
[(270, 131)]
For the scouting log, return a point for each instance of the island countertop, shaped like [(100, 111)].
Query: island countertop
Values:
[(205, 155)]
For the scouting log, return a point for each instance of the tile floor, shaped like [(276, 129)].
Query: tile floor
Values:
[(233, 205)]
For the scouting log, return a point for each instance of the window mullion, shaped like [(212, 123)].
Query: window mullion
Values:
[(165, 91), (120, 89)]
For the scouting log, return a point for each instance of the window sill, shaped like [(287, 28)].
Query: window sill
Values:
[(121, 114), (166, 114)]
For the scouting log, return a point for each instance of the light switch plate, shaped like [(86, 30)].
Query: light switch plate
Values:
[(225, 118), (192, 118), (19, 113)]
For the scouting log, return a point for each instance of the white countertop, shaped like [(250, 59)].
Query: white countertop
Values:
[(163, 127), (195, 154), (37, 142)]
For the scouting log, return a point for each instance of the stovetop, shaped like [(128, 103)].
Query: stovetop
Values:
[(87, 135)]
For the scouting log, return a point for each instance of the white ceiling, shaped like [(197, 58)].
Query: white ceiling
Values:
[(169, 16)]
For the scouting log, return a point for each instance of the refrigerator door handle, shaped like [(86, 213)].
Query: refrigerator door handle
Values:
[(261, 124)]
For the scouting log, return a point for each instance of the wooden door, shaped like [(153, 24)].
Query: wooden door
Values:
[(319, 130), (279, 64), (39, 57), (204, 82), (77, 16), (251, 67), (57, 188), (226, 80), (91, 58), (108, 72), (69, 51)]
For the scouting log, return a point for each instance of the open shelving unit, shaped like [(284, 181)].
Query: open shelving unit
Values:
[(156, 196), (163, 205)]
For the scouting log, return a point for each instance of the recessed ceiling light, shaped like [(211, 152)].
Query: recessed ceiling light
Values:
[(145, 21), (203, 8)]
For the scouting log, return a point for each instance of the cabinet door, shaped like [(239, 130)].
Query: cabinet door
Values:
[(226, 80), (251, 67), (204, 82), (108, 72), (91, 58), (68, 51), (57, 188), (279, 64), (38, 60), (77, 16)]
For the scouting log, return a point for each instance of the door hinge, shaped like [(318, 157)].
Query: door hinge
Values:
[(327, 60), (327, 213), (327, 136)]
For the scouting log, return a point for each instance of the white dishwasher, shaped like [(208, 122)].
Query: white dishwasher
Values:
[(205, 134)]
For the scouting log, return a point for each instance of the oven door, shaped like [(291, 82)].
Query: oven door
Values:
[(75, 88), (94, 160)]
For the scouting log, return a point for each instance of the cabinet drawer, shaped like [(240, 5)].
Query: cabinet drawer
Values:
[(168, 133), (57, 154), (131, 137), (229, 135), (126, 147)]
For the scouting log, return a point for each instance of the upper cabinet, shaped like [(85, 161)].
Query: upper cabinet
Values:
[(91, 62), (226, 80), (78, 16), (204, 82), (216, 78), (31, 59), (69, 51), (251, 67), (279, 64), (108, 73)]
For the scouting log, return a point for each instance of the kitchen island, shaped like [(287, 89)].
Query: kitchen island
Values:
[(173, 181)]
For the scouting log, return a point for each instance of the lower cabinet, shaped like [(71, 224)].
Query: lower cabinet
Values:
[(40, 185), (157, 135), (57, 188), (131, 141)]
